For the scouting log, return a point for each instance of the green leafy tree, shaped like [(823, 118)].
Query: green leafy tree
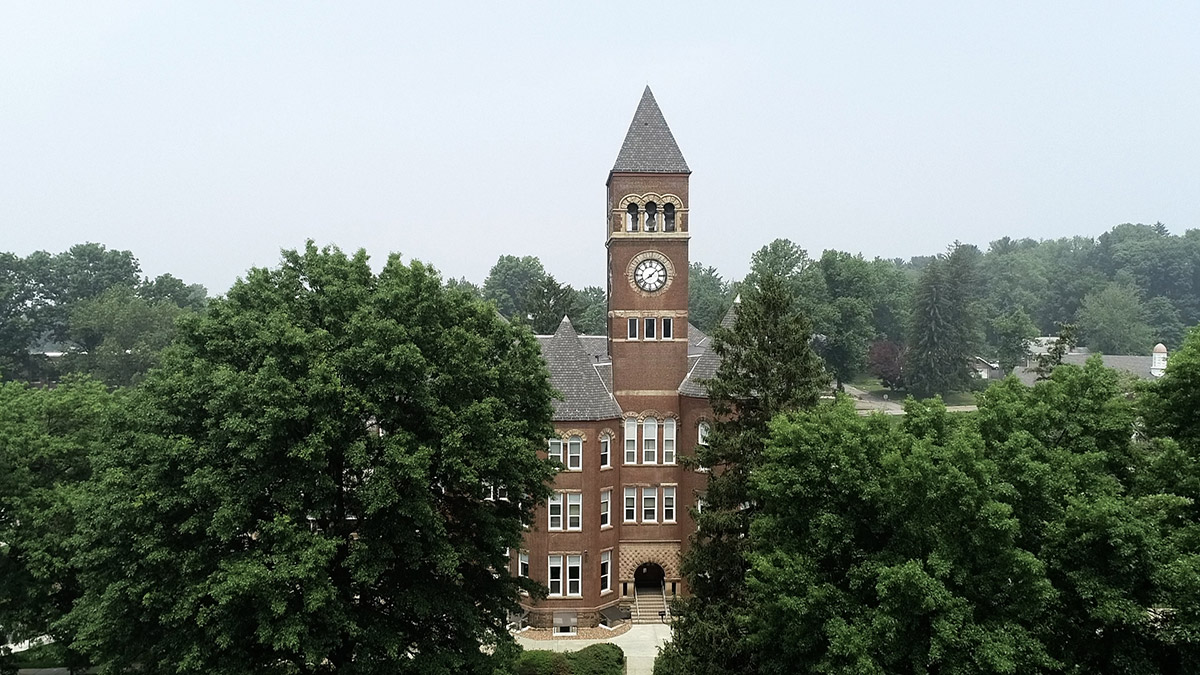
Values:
[(709, 297), (1012, 333), (845, 316), (767, 368), (168, 288), (1112, 320), (17, 328), (120, 335), (47, 437), (591, 317), (511, 284), (302, 485), (886, 549), (1166, 325), (84, 271)]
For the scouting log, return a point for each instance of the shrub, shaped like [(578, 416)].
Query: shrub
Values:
[(540, 662), (600, 659)]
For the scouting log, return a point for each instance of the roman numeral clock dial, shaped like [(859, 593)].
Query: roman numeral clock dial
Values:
[(650, 272), (650, 275)]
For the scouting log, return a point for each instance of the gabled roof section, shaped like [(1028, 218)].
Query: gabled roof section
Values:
[(649, 146), (575, 375)]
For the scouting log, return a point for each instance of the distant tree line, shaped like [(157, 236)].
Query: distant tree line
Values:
[(91, 309)]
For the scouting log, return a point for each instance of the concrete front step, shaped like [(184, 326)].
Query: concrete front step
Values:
[(648, 606)]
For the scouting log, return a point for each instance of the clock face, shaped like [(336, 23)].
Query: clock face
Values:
[(650, 275)]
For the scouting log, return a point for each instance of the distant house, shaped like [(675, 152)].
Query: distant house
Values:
[(1147, 367), (986, 370)]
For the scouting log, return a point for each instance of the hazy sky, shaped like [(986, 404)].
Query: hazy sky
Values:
[(207, 136)]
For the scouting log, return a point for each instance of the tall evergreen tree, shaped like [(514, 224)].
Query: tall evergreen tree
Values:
[(943, 334), (767, 368)]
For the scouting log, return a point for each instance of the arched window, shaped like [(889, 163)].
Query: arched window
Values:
[(702, 433), (575, 454), (650, 441), (630, 440), (651, 217), (668, 217), (631, 218), (669, 440)]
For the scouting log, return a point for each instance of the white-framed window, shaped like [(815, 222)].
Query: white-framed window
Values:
[(554, 451), (606, 571), (605, 450), (668, 493), (650, 441), (667, 328), (630, 440), (605, 507), (650, 329), (630, 504), (633, 329), (669, 440), (555, 578), (574, 575), (523, 564), (702, 433), (554, 509), (575, 454), (649, 505), (574, 511)]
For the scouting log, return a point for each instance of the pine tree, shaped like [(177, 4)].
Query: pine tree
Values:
[(768, 367)]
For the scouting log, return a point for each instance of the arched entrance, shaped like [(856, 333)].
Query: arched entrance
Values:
[(649, 575)]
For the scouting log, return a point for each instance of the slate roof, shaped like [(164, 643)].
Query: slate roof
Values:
[(576, 376), (649, 146), (702, 360), (1135, 365)]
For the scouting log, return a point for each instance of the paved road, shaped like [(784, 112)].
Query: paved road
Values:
[(640, 644), (866, 404)]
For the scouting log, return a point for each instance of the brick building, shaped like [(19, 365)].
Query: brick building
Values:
[(613, 533)]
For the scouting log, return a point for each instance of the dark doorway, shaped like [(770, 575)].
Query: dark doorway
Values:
[(649, 575)]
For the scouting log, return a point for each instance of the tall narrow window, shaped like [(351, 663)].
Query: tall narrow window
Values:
[(605, 448), (702, 433), (605, 506), (574, 575), (575, 454), (631, 218), (669, 504), (650, 441), (651, 217), (523, 564), (669, 440), (649, 505), (633, 329), (574, 511), (606, 571), (668, 330), (554, 507), (650, 331), (630, 440), (554, 578), (555, 450), (668, 217), (630, 504)]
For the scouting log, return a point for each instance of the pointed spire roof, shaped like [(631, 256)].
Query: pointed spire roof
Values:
[(574, 373), (649, 146)]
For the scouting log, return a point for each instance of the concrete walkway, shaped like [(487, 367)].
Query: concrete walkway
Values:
[(640, 644)]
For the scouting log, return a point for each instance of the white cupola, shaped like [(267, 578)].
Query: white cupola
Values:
[(1158, 360)]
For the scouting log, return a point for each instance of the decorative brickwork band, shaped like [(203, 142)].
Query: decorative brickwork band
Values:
[(666, 555)]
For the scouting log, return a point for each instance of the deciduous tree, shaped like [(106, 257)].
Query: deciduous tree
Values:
[(305, 484)]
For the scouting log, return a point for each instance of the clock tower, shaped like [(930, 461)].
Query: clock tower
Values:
[(647, 240)]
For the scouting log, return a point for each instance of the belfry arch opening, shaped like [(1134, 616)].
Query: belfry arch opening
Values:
[(649, 575)]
